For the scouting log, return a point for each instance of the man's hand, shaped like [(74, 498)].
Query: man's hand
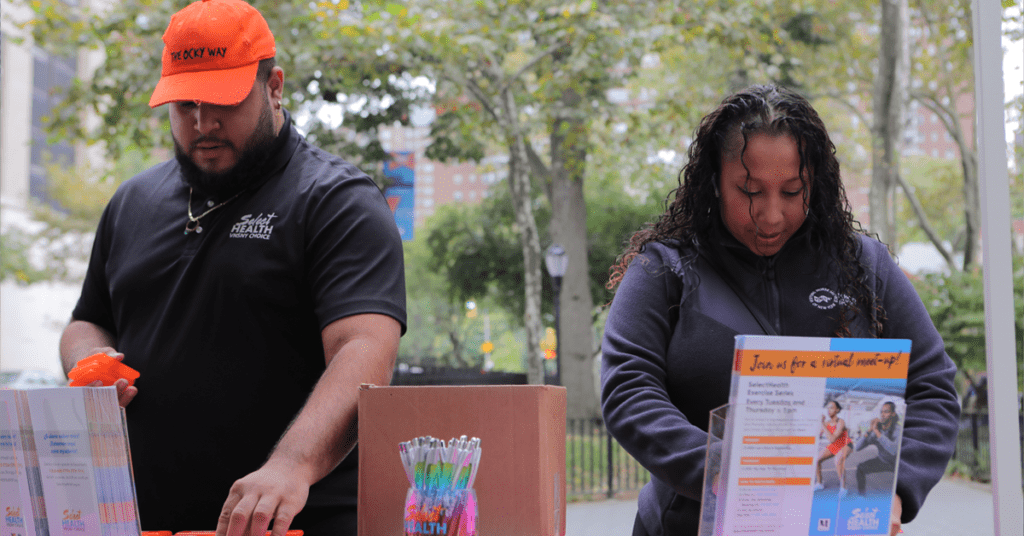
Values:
[(276, 492), (894, 516), (125, 392), (358, 349)]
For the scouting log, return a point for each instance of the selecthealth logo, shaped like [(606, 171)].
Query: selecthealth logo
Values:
[(825, 299), (258, 226), (71, 520), (863, 519), (12, 516)]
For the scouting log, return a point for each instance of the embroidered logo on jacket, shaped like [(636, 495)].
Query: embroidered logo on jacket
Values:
[(253, 227), (824, 298)]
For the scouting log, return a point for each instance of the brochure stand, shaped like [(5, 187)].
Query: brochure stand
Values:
[(713, 472), (809, 443)]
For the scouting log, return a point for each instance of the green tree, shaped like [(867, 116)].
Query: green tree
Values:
[(441, 330), (62, 241), (472, 252), (15, 246), (943, 73), (956, 303), (1016, 108), (530, 68), (937, 187), (526, 77)]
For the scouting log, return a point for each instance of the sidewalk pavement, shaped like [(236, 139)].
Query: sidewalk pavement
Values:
[(954, 508)]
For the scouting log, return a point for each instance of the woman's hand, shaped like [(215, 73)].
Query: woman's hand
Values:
[(895, 525)]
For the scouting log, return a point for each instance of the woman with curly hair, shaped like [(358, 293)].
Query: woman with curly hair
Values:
[(757, 239)]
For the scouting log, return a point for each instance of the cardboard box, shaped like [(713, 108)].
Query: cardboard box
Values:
[(520, 485)]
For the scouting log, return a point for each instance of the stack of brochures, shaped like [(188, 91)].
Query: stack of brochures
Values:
[(66, 463), (809, 442)]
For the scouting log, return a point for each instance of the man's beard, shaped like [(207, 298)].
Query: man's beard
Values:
[(246, 171)]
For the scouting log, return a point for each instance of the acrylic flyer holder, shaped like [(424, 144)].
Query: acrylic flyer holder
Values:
[(763, 489), (777, 462)]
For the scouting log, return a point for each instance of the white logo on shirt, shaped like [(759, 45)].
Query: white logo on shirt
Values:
[(824, 298), (253, 227)]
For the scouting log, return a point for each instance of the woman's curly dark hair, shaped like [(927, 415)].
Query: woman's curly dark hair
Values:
[(771, 110)]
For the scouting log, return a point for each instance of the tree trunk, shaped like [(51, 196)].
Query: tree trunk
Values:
[(972, 204), (890, 90), (569, 138), (522, 199), (950, 117), (455, 360), (926, 226)]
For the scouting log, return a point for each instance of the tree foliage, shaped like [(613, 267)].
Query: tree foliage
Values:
[(440, 328), (943, 75), (477, 249), (501, 74), (938, 185), (956, 304), (15, 264)]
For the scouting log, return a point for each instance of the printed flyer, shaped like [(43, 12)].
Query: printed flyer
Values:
[(84, 463), (21, 501), (811, 440)]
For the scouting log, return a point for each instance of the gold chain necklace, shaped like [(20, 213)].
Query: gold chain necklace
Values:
[(193, 221)]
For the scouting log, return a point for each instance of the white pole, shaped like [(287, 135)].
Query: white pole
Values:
[(1000, 346)]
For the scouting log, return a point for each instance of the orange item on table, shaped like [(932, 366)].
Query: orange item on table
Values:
[(156, 533), (103, 368)]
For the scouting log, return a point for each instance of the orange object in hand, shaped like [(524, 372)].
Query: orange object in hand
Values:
[(103, 368)]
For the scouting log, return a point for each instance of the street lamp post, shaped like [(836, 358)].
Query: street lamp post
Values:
[(557, 261)]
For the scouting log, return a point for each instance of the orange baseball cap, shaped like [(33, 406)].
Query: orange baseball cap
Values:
[(212, 49)]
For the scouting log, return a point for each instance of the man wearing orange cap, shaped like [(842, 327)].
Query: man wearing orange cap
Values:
[(255, 282)]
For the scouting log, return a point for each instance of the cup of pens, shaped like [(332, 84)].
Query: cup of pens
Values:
[(441, 500)]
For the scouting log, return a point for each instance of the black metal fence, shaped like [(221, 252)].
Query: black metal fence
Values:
[(973, 450), (596, 465), (972, 445)]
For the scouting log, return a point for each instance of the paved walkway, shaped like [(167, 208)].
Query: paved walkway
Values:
[(954, 508)]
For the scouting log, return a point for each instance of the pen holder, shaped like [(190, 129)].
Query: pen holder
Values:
[(449, 512)]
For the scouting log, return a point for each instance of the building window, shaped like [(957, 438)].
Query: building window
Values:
[(457, 178), (457, 195)]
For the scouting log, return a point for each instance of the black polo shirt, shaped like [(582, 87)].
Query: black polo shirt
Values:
[(224, 325)]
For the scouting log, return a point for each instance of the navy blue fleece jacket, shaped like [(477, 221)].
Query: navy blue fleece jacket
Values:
[(668, 346)]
